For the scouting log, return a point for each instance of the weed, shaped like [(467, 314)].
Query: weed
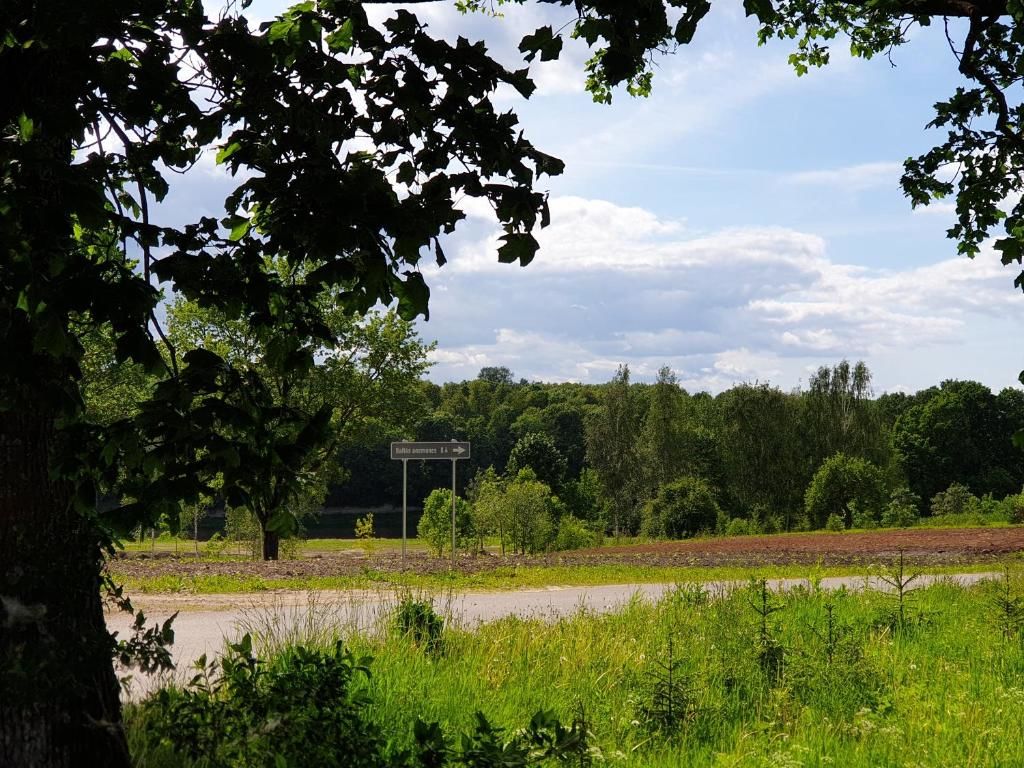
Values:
[(417, 620)]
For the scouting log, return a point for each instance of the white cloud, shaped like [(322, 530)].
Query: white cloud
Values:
[(851, 177), (618, 284)]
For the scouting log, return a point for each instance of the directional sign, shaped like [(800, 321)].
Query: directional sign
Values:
[(430, 451)]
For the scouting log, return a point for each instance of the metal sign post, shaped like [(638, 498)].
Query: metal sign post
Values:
[(451, 451), (405, 502)]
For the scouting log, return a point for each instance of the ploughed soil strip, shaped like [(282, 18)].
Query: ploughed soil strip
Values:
[(949, 546)]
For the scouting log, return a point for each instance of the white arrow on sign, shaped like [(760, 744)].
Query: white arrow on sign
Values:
[(459, 450)]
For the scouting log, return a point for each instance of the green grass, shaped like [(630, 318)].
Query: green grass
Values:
[(947, 690), (943, 688), (504, 578)]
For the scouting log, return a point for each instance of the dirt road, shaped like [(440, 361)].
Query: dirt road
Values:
[(205, 622)]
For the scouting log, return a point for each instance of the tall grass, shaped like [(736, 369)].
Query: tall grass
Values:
[(828, 679), (943, 688)]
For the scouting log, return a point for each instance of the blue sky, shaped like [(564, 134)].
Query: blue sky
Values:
[(741, 224)]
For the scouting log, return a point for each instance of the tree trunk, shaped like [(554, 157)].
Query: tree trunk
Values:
[(59, 706), (271, 545)]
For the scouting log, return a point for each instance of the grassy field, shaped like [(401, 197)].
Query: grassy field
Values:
[(503, 578), (810, 678)]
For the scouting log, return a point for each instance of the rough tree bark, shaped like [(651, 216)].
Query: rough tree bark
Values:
[(59, 696)]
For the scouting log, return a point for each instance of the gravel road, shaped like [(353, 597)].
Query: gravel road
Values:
[(206, 622)]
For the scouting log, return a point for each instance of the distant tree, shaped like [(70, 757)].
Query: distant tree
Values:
[(538, 453), (660, 447), (960, 432), (612, 432), (435, 526), (844, 483), (583, 497), (496, 375), (841, 416), (764, 456), (684, 507)]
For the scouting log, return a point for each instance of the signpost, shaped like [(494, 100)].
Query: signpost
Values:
[(403, 451)]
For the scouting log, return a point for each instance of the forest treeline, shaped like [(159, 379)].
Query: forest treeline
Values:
[(655, 459)]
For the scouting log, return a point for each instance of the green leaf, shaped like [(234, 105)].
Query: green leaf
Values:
[(283, 523), (239, 226), (26, 127), (413, 296), (341, 39), (228, 151), (687, 25)]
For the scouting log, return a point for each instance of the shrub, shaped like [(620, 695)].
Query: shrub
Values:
[(740, 527), (365, 532), (240, 711), (435, 527), (525, 510), (839, 482), (681, 508), (574, 534), (862, 520), (835, 523), (901, 511), (955, 500), (417, 620)]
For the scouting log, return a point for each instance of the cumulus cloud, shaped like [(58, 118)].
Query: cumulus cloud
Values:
[(617, 284)]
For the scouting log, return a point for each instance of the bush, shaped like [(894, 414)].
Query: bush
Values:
[(299, 710), (435, 527), (573, 533), (835, 523), (901, 511), (525, 511), (417, 620), (740, 527), (955, 500), (681, 508), (862, 519), (840, 483)]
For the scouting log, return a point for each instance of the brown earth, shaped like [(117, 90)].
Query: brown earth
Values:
[(919, 546)]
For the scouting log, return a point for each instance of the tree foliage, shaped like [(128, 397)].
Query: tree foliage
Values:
[(537, 452), (682, 508), (435, 526), (841, 485)]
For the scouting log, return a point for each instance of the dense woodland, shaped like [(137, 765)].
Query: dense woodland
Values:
[(619, 455)]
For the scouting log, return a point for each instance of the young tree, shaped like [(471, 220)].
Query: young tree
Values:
[(525, 508), (366, 382), (435, 526)]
